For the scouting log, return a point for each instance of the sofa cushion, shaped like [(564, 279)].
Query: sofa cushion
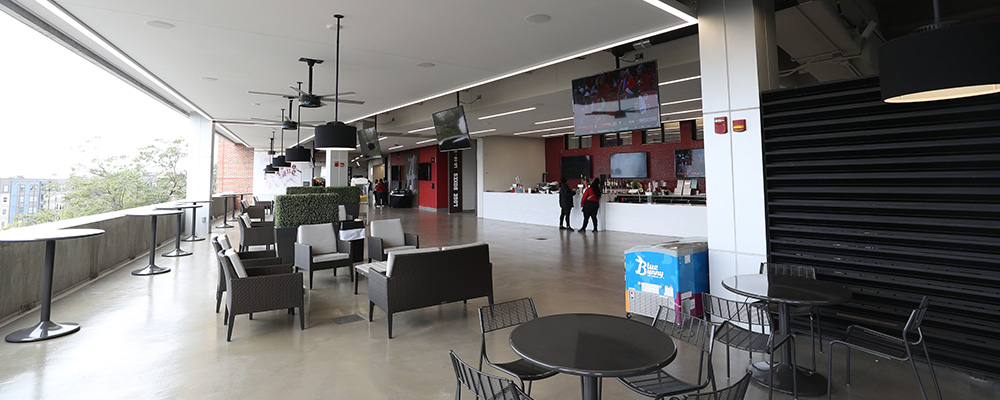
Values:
[(321, 237), (462, 246), (398, 248), (363, 269), (330, 257), (246, 220), (241, 272), (391, 232), (224, 243), (393, 255)]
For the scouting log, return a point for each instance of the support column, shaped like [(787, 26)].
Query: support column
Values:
[(201, 150), (336, 168), (738, 61)]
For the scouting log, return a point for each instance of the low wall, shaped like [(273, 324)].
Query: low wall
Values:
[(77, 261)]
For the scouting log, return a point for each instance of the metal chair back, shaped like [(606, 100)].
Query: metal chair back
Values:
[(736, 311), (483, 385), (682, 326), (916, 318), (735, 392), (507, 314)]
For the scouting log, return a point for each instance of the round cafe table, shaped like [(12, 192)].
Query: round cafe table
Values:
[(45, 329), (152, 268), (194, 221), (177, 252), (593, 346), (786, 291)]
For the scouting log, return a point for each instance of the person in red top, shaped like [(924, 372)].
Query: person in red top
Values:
[(591, 202), (380, 193)]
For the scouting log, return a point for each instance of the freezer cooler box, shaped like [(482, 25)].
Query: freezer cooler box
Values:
[(672, 274)]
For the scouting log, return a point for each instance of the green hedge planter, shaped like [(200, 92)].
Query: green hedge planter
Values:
[(312, 207)]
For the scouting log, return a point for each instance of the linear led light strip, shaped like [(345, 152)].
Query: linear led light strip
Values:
[(690, 78), (688, 21), (553, 120), (681, 112), (421, 129), (100, 40), (558, 134), (543, 130), (507, 113), (680, 101), (426, 141), (398, 146), (482, 131)]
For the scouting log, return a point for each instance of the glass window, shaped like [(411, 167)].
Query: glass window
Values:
[(699, 130), (586, 142), (6, 188), (4, 212), (571, 142)]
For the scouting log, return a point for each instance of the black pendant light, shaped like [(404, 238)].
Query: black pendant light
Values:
[(270, 169), (336, 135), (298, 153), (279, 161), (941, 61)]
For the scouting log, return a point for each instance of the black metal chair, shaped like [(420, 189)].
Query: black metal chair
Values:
[(757, 318), (484, 386), (694, 331), (801, 271), (251, 259), (886, 346), (735, 392), (505, 315)]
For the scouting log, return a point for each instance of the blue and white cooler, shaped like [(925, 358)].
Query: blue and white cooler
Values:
[(674, 274)]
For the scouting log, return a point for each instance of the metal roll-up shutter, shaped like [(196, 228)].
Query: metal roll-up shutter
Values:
[(895, 201)]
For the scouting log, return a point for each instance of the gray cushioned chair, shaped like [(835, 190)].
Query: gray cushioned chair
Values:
[(317, 247), (251, 259), (387, 235), (261, 289), (255, 233), (255, 212)]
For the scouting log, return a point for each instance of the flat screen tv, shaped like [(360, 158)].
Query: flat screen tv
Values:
[(625, 99), (574, 167), (628, 165), (368, 139), (424, 171), (689, 163), (452, 130)]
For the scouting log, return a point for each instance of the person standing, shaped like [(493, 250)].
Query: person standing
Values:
[(379, 193), (591, 202), (565, 203)]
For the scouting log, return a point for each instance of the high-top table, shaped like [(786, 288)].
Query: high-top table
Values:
[(225, 209), (593, 346), (45, 329), (785, 291), (194, 221), (152, 268), (177, 252)]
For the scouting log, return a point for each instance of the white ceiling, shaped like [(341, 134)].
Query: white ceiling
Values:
[(255, 45)]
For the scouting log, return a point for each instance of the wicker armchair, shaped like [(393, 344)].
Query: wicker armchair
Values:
[(255, 212), (387, 235), (251, 259), (255, 233), (695, 332), (317, 248), (267, 204), (483, 386), (504, 315), (261, 289)]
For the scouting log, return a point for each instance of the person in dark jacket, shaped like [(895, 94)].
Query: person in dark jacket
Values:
[(565, 203), (591, 202)]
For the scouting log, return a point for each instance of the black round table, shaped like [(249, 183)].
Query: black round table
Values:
[(225, 209), (785, 291), (194, 221), (45, 329), (593, 346), (177, 252), (152, 268)]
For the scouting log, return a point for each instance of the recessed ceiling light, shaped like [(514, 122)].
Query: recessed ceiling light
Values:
[(161, 24), (507, 113), (425, 65), (209, 78), (254, 104), (538, 18)]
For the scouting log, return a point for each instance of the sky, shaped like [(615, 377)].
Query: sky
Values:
[(52, 102)]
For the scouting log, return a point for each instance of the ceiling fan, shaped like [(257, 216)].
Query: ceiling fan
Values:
[(307, 98), (286, 123)]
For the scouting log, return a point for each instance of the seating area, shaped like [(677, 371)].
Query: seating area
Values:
[(321, 351)]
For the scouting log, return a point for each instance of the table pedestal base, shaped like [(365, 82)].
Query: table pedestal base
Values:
[(177, 253), (193, 238), (154, 270), (810, 383), (591, 387), (42, 331)]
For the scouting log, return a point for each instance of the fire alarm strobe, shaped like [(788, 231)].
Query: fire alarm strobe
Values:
[(739, 125), (721, 126)]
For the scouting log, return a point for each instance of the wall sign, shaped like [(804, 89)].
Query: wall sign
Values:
[(455, 181)]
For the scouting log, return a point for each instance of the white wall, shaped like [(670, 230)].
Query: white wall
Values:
[(505, 158)]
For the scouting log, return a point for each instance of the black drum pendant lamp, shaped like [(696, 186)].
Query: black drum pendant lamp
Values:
[(270, 169), (279, 161), (298, 153), (941, 61), (336, 135)]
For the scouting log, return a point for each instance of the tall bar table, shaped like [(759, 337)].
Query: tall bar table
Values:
[(152, 268), (194, 221), (225, 209), (45, 329), (177, 252)]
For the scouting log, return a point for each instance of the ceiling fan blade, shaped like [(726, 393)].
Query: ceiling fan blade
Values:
[(264, 120), (301, 92), (334, 94), (244, 122), (287, 96), (312, 122), (358, 102)]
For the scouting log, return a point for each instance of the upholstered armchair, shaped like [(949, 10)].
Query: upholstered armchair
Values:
[(267, 204), (260, 289), (317, 247), (256, 212), (255, 233), (250, 259), (386, 236)]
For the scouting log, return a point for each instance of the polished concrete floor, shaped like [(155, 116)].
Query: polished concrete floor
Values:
[(159, 337)]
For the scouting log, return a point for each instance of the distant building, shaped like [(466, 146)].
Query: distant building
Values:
[(20, 196)]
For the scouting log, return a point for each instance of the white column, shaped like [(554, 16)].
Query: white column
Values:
[(201, 150), (738, 60), (336, 168)]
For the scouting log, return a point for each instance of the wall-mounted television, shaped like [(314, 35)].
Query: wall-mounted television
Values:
[(689, 163), (368, 139), (424, 171), (625, 99), (452, 130), (574, 167), (629, 165)]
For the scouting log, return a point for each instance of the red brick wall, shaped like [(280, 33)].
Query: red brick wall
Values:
[(234, 167)]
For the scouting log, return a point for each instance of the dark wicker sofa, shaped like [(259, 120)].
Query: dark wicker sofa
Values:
[(430, 276)]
